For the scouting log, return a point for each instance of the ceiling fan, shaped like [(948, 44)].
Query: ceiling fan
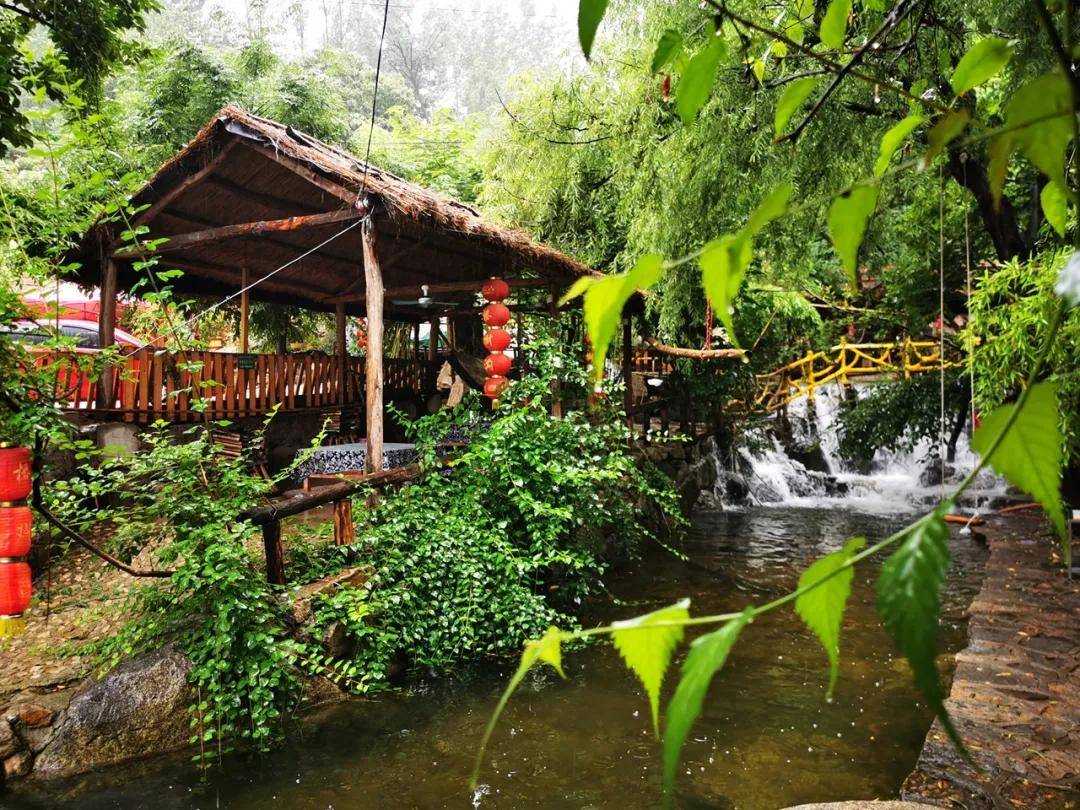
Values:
[(425, 301)]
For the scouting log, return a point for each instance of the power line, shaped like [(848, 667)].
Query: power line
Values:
[(374, 99)]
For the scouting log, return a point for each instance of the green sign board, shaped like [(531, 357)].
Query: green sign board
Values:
[(245, 361)]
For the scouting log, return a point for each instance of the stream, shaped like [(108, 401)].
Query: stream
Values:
[(766, 739)]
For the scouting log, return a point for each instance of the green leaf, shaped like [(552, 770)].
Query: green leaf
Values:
[(791, 99), (1029, 455), (667, 48), (698, 79), (948, 127), (834, 24), (892, 140), (723, 267), (547, 649), (909, 599), (647, 648), (849, 215), (707, 655), (577, 288), (982, 61), (822, 609), (590, 13), (772, 206), (1055, 206), (605, 299), (1040, 110)]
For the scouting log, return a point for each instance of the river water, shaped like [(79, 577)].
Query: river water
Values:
[(766, 739)]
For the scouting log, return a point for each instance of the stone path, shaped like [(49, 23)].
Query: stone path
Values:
[(1016, 692)]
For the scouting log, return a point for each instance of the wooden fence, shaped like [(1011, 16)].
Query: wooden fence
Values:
[(150, 384)]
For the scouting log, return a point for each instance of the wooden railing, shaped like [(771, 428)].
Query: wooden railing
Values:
[(149, 384), (842, 363)]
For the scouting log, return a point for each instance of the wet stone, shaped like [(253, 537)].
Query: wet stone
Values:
[(18, 765), (33, 715)]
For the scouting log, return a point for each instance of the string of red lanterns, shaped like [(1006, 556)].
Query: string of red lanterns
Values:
[(496, 340), (16, 529)]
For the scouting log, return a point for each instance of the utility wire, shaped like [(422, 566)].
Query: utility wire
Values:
[(374, 100)]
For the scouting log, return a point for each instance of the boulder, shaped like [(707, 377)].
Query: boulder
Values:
[(9, 743), (18, 765), (139, 708)]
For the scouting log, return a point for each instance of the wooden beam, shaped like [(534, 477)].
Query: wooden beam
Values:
[(107, 330), (373, 364), (275, 555), (297, 502), (186, 184), (440, 288), (298, 167), (695, 354), (211, 235), (341, 349)]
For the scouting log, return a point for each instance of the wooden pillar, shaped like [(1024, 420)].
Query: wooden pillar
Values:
[(107, 330), (433, 340), (341, 348), (556, 397), (451, 335), (416, 340), (275, 556), (628, 369), (245, 304), (373, 283), (344, 530)]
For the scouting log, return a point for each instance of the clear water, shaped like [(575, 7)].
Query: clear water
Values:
[(766, 739)]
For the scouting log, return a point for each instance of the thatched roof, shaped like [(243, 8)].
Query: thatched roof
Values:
[(241, 168)]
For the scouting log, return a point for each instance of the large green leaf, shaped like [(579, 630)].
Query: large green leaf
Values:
[(791, 99), (698, 79), (892, 139), (997, 166), (1029, 455), (707, 655), (834, 24), (590, 13), (947, 129), (822, 608), (724, 260), (849, 215), (667, 49), (982, 61), (1055, 206), (647, 648), (605, 299), (909, 599), (1039, 112)]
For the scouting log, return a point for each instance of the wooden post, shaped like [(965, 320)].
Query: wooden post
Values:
[(275, 556), (628, 370), (451, 334), (107, 330), (556, 398), (433, 340), (245, 303), (416, 340), (342, 350), (344, 530), (373, 283)]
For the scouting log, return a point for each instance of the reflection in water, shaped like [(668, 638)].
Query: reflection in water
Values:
[(766, 739)]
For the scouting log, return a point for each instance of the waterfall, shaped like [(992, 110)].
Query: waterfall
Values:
[(807, 470)]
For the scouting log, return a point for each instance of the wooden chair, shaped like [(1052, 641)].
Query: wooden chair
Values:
[(344, 425)]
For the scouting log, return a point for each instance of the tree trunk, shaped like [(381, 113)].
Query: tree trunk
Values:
[(1000, 223)]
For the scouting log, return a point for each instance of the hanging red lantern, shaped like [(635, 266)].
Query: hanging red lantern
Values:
[(16, 526), (497, 340), (495, 289), (496, 314), (15, 474), (14, 588), (497, 364), (495, 386)]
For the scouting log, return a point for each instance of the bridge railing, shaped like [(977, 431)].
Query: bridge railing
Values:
[(842, 363)]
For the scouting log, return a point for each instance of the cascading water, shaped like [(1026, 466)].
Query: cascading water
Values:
[(809, 471)]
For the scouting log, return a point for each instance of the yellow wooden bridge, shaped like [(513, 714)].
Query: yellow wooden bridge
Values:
[(844, 363)]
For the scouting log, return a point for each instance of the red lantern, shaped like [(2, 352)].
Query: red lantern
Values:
[(496, 314), (15, 531), (497, 340), (495, 289), (14, 588), (497, 364), (494, 386), (15, 472)]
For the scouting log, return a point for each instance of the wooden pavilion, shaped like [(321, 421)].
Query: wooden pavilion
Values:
[(257, 210)]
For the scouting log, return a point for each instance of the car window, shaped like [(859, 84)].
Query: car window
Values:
[(84, 338), (25, 334)]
